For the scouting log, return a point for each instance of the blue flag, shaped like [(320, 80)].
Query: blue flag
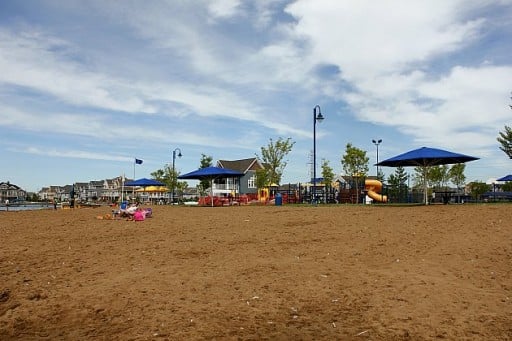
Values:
[(138, 161)]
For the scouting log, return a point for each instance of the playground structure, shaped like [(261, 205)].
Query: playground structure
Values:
[(373, 189), (302, 193), (263, 195)]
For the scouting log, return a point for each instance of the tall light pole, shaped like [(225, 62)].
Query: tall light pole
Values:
[(317, 117), (174, 177), (376, 143)]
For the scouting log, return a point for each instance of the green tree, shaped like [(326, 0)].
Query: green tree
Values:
[(420, 177), (181, 186), (169, 178), (507, 186), (261, 178), (477, 188), (439, 176), (505, 139), (433, 176), (33, 197), (457, 176), (206, 161), (398, 184), (164, 175), (355, 164), (380, 175), (159, 175), (272, 157), (327, 173)]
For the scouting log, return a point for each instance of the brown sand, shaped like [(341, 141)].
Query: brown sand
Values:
[(259, 273)]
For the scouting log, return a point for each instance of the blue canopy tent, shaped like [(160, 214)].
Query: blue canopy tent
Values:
[(143, 182), (211, 173), (505, 178), (426, 157)]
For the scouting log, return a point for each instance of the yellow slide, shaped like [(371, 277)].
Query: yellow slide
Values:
[(374, 188)]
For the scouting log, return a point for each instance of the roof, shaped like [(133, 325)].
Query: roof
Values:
[(8, 185), (242, 166)]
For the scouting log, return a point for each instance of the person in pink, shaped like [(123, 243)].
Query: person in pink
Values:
[(139, 215)]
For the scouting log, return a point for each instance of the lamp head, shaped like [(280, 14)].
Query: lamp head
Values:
[(174, 152), (317, 116)]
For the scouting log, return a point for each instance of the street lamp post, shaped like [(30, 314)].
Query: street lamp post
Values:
[(376, 143), (317, 117), (174, 177)]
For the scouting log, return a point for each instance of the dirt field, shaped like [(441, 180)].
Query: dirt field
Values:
[(259, 273)]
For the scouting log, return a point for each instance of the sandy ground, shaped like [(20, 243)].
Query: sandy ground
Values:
[(259, 273)]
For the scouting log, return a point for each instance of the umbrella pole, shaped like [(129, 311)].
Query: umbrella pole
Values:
[(211, 189), (425, 185)]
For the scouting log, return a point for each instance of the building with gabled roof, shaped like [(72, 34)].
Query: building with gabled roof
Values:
[(11, 192), (247, 182)]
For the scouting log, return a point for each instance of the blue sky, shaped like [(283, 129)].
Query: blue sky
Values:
[(88, 86)]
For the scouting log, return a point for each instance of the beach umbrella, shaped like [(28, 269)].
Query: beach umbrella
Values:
[(153, 189), (426, 157), (211, 173), (505, 178), (144, 182), (158, 190)]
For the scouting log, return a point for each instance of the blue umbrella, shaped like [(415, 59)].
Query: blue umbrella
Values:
[(144, 182), (505, 178), (211, 173), (426, 157)]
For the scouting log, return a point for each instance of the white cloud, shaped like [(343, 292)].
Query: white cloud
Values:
[(369, 38), (462, 106), (384, 50), (223, 8), (74, 154), (34, 60)]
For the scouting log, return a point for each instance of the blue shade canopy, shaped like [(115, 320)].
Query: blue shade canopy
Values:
[(505, 178), (211, 173), (426, 157), (144, 182)]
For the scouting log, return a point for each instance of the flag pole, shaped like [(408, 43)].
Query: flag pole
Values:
[(135, 162), (122, 189), (133, 187)]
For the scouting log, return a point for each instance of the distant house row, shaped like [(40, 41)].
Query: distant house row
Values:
[(112, 189), (85, 191)]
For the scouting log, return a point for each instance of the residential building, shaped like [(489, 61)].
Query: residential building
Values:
[(245, 184), (11, 192)]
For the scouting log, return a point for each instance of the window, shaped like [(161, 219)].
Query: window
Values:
[(251, 183)]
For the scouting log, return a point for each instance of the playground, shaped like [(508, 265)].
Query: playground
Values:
[(291, 272), (369, 191)]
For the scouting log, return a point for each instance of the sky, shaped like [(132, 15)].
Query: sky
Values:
[(88, 86)]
